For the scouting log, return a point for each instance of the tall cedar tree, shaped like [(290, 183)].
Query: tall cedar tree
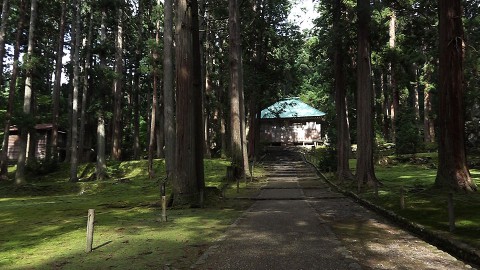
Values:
[(154, 114), (85, 93), (365, 171), (395, 105), (168, 94), (56, 84), (236, 87), (76, 87), (11, 93), (117, 86), (343, 134), (101, 166), (187, 185), (3, 26), (27, 100), (452, 170)]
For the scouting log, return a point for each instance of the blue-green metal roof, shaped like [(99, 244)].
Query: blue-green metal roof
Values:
[(290, 108)]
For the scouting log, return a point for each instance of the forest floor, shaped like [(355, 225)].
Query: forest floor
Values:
[(44, 222)]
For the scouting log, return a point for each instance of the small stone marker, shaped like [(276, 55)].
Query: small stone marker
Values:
[(90, 225)]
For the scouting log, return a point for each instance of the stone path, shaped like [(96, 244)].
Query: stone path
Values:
[(298, 222)]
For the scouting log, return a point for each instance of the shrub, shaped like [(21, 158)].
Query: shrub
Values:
[(326, 158), (408, 140)]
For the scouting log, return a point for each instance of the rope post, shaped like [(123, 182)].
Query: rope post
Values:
[(164, 200), (451, 212), (90, 227)]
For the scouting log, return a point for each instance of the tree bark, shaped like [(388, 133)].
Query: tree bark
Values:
[(198, 95), (394, 110), (136, 84), (365, 173), (452, 170), (168, 94), (56, 85), (154, 114), (11, 94), (86, 67), (343, 134), (76, 86), (117, 87), (186, 185), (235, 88), (3, 26), (428, 126), (21, 162), (101, 165)]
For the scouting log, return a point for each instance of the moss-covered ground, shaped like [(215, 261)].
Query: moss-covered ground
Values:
[(43, 224)]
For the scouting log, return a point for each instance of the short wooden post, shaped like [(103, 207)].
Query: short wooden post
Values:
[(90, 225), (402, 198), (451, 212), (164, 202)]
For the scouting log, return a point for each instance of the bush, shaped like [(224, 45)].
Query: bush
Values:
[(408, 139), (326, 158), (41, 167)]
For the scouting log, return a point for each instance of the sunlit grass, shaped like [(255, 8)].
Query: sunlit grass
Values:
[(43, 224)]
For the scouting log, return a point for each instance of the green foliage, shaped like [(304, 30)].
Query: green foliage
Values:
[(408, 139), (40, 167), (324, 157)]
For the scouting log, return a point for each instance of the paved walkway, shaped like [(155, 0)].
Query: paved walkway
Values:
[(299, 223)]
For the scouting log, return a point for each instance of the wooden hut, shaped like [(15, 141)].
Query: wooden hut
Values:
[(43, 135), (291, 121)]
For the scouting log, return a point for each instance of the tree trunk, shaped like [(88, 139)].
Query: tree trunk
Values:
[(117, 87), (154, 114), (394, 110), (56, 85), (198, 94), (343, 134), (186, 187), (168, 91), (3, 26), (452, 170), (235, 88), (160, 123), (136, 84), (428, 126), (365, 171), (20, 173), (86, 67), (101, 165), (76, 86), (11, 94)]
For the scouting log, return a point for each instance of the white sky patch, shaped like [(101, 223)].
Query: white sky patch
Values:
[(303, 13)]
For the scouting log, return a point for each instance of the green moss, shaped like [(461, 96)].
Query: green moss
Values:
[(43, 223)]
